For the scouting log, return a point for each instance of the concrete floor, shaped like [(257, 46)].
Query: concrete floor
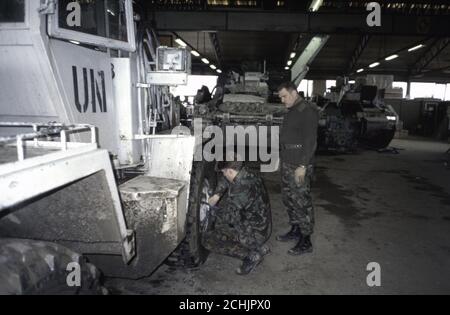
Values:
[(393, 209)]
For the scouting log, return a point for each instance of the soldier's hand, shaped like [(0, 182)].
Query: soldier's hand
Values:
[(300, 174), (214, 200)]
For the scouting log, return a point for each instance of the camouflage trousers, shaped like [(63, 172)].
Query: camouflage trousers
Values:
[(297, 198), (231, 241)]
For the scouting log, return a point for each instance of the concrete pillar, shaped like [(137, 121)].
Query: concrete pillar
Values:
[(408, 90), (319, 87)]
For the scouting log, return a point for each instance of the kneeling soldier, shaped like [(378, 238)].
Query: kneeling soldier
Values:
[(244, 223)]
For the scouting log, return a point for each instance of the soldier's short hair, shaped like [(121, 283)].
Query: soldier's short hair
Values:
[(234, 165), (288, 86)]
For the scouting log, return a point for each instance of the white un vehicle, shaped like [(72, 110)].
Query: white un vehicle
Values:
[(90, 174)]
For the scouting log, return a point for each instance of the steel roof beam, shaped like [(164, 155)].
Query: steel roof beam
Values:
[(217, 50), (362, 44), (429, 55), (312, 23)]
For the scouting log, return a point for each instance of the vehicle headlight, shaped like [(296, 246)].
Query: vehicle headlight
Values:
[(392, 118)]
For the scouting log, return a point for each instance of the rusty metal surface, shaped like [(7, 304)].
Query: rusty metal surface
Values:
[(78, 216), (152, 209), (150, 187)]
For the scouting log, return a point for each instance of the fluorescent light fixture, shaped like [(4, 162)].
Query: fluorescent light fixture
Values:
[(196, 54), (213, 67), (351, 82), (219, 71), (289, 62), (416, 47), (205, 61), (180, 42), (373, 65), (286, 68), (74, 42), (315, 5), (392, 118), (111, 12), (359, 70), (292, 56), (391, 57)]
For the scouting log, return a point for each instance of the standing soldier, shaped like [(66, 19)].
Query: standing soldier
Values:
[(244, 223), (298, 142)]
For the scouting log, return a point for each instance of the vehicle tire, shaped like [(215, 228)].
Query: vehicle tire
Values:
[(190, 253), (40, 268)]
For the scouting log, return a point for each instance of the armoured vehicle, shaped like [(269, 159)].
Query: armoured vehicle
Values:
[(89, 165), (355, 115)]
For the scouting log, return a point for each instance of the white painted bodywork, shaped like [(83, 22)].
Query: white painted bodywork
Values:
[(65, 163), (125, 96), (38, 85)]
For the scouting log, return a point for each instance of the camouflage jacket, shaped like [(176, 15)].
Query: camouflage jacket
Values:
[(247, 205)]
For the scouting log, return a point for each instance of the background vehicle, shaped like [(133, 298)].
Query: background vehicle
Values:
[(355, 115), (350, 115)]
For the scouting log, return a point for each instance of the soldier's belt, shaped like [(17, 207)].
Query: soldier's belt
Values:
[(291, 146)]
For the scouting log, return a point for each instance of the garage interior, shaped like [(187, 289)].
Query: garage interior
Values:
[(390, 207), (387, 204)]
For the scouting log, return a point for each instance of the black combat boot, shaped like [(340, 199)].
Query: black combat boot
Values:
[(293, 235), (249, 263), (303, 246)]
